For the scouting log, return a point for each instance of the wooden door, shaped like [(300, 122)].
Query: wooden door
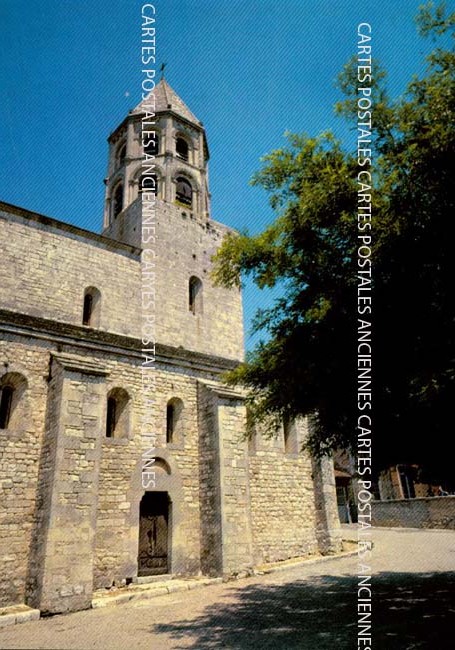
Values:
[(153, 534)]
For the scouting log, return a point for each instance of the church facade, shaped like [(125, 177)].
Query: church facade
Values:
[(75, 512)]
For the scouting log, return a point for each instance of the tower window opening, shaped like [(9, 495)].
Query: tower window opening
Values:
[(151, 146), (6, 401), (148, 183), (195, 295), (117, 202), (174, 410), (182, 149), (121, 154), (184, 191)]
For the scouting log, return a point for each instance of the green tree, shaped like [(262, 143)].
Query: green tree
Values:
[(307, 364)]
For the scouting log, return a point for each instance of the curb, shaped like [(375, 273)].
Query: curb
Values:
[(317, 560), (404, 529), (143, 592), (17, 614)]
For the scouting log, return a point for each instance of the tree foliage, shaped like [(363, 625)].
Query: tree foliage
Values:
[(307, 364)]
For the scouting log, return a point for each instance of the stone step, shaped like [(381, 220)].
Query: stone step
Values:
[(143, 580), (17, 614)]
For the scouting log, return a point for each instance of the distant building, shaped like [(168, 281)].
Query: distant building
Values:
[(76, 514), (407, 481), (346, 487)]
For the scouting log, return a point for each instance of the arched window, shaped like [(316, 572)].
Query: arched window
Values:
[(195, 295), (121, 154), (92, 307), (174, 420), (117, 415), (184, 191), (12, 388), (152, 145), (148, 183), (182, 149), (117, 200)]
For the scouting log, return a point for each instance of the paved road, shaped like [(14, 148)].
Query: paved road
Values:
[(307, 608)]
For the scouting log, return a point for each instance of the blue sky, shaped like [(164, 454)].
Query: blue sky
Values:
[(249, 69)]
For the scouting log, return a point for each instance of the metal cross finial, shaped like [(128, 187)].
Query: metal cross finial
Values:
[(163, 65)]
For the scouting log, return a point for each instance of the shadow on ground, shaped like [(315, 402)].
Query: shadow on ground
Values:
[(410, 611)]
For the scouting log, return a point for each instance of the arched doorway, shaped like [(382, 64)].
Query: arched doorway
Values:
[(154, 534)]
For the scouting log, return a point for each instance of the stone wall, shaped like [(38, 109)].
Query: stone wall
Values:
[(183, 248), (225, 499), (328, 531), (424, 512), (68, 486), (69, 495), (47, 265), (209, 486), (20, 448), (71, 486), (284, 505), (181, 457), (115, 550)]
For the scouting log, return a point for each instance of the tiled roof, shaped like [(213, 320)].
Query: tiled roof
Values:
[(167, 99)]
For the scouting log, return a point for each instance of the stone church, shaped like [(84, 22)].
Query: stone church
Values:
[(75, 515)]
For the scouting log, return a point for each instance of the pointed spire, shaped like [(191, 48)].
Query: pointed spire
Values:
[(166, 99)]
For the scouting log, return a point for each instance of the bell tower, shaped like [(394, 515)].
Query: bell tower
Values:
[(163, 152), (176, 152)]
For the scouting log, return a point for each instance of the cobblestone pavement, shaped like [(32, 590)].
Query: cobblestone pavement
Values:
[(306, 607)]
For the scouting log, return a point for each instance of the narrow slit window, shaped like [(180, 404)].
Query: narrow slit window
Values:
[(195, 295), (170, 422), (91, 307), (111, 417), (88, 309), (174, 421)]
